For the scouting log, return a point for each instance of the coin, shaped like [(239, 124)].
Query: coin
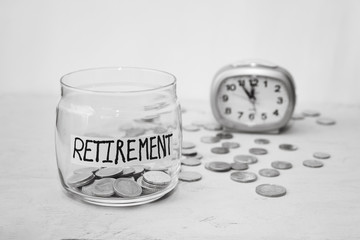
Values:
[(210, 139), (135, 132), (321, 155), (187, 145), (311, 113), (270, 190), (243, 177), (325, 121), (127, 172), (269, 172), (313, 163), (230, 145), (81, 179), (288, 147), (138, 169), (220, 150), (157, 178), (239, 166), (87, 169), (282, 165), (153, 186), (146, 189), (190, 128), (189, 176), (297, 116), (245, 159), (127, 188), (213, 126), (191, 162), (262, 141), (258, 151), (109, 172), (218, 166), (87, 189), (103, 187), (159, 130), (198, 156), (188, 152), (224, 135)]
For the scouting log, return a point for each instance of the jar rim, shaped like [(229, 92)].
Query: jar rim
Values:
[(170, 82)]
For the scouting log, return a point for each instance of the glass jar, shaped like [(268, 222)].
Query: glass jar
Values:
[(118, 135)]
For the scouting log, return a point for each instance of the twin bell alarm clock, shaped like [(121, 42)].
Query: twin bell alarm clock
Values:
[(253, 96)]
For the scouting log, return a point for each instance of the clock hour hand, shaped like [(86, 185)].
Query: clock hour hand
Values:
[(247, 92)]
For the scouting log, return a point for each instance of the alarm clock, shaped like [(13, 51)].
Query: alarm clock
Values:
[(253, 96)]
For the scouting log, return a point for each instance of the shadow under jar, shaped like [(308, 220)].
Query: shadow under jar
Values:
[(118, 135)]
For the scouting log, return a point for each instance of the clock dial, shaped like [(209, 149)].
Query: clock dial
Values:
[(253, 100)]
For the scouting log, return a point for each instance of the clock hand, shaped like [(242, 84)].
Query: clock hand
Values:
[(247, 92)]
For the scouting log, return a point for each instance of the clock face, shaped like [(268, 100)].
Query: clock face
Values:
[(252, 100)]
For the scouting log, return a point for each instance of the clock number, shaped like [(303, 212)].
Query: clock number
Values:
[(254, 82), (265, 83), (252, 116), (276, 112), (240, 114), (227, 111), (277, 88), (280, 100), (263, 116), (241, 83), (225, 98), (231, 87)]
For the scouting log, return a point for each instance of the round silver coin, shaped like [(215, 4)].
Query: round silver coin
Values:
[(258, 151), (269, 172), (231, 145), (189, 176), (262, 141), (127, 172), (210, 139), (311, 113), (243, 177), (297, 116), (188, 145), (270, 190), (190, 128), (127, 188), (245, 159), (325, 121), (81, 179), (321, 155), (313, 163), (218, 166), (282, 165), (288, 147), (224, 135), (213, 126), (239, 166), (109, 172), (188, 152), (103, 187), (190, 162), (220, 150)]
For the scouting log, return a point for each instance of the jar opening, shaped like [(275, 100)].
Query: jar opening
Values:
[(118, 80)]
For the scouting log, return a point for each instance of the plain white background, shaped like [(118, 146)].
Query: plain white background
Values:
[(318, 41)]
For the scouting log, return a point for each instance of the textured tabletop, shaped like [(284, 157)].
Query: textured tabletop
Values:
[(321, 203)]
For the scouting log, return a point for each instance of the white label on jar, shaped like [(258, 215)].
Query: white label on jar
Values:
[(107, 152)]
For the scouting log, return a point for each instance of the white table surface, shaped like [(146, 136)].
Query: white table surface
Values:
[(321, 203)]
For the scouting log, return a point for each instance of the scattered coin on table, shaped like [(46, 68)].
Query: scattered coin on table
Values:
[(269, 172), (282, 165), (189, 176), (258, 151), (243, 177), (189, 152), (190, 162), (187, 145), (321, 155), (297, 116), (224, 135), (213, 126), (270, 190), (210, 139), (230, 145), (311, 113), (245, 159), (103, 187), (190, 128), (218, 166), (288, 147), (198, 156), (325, 121), (127, 188), (262, 141), (313, 163), (239, 166), (220, 150)]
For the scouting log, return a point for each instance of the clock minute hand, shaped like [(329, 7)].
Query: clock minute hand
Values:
[(247, 92)]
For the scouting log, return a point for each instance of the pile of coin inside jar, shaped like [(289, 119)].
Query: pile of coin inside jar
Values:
[(242, 162), (127, 182)]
